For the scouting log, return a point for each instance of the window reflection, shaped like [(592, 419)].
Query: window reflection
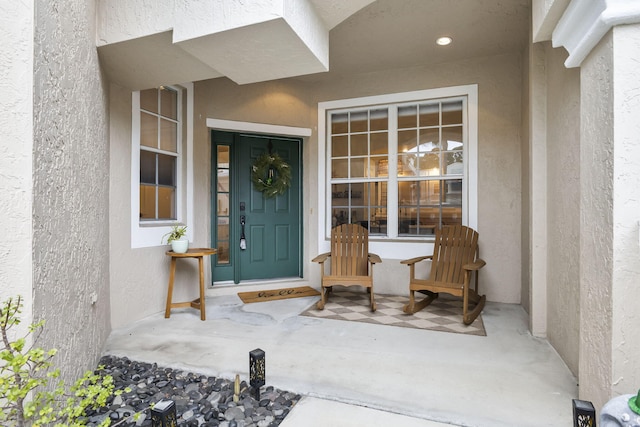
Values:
[(222, 197), (428, 174), (425, 205), (158, 153), (360, 203)]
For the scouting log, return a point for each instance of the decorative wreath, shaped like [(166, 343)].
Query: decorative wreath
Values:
[(271, 175)]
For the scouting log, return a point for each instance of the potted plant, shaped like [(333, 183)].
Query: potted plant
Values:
[(176, 238)]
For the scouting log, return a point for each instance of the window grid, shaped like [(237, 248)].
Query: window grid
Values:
[(427, 185), (159, 153), (223, 198), (359, 144), (429, 139)]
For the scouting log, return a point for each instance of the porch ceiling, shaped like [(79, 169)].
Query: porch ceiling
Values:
[(329, 38), (392, 34)]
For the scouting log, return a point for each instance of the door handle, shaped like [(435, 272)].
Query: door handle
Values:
[(243, 240)]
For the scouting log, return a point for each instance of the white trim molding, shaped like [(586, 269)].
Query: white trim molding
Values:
[(261, 128), (188, 87), (584, 23)]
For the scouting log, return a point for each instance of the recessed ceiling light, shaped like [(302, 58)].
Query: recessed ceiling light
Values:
[(443, 41)]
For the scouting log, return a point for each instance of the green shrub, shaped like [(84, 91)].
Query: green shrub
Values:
[(25, 372)]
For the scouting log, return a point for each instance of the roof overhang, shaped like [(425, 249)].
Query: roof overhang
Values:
[(174, 41)]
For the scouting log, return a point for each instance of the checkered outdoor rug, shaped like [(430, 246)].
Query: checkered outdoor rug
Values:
[(444, 314)]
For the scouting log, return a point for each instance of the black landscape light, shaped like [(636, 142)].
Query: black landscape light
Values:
[(163, 414), (256, 371), (584, 414)]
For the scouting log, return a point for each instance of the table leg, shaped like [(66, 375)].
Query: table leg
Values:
[(202, 302), (172, 275)]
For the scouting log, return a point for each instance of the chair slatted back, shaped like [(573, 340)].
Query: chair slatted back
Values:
[(454, 247), (349, 250)]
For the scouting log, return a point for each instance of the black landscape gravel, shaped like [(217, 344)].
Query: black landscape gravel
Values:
[(200, 400)]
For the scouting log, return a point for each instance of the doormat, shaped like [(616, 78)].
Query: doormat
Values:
[(443, 314), (276, 294)]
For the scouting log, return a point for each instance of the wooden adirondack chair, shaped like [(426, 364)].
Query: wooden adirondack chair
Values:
[(454, 260), (351, 262)]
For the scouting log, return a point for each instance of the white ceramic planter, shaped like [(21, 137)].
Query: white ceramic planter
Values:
[(180, 246)]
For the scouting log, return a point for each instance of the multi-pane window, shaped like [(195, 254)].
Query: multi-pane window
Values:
[(159, 153), (399, 166), (359, 149), (430, 166)]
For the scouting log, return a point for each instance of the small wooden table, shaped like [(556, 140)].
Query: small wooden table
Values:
[(198, 303)]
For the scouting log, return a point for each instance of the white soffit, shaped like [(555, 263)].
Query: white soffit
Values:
[(266, 51), (123, 20), (151, 61), (247, 42), (584, 23)]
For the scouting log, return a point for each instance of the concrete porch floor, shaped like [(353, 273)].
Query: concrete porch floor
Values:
[(355, 374)]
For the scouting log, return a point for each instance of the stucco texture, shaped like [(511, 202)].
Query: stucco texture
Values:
[(626, 208), (536, 196), (596, 223), (16, 102), (610, 202), (293, 102), (563, 206), (139, 276), (70, 186), (525, 182)]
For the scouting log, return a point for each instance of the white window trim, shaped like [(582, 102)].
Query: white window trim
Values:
[(405, 248), (149, 233), (261, 128)]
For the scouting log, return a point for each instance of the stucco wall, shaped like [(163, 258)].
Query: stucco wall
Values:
[(626, 208), (294, 103), (70, 189), (563, 206), (16, 103), (525, 253), (610, 202), (499, 126), (283, 102), (537, 191), (141, 274), (596, 223)]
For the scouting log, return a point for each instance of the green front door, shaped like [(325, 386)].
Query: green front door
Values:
[(270, 226)]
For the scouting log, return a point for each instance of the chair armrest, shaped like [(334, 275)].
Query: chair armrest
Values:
[(477, 265), (322, 257), (416, 259), (374, 259)]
